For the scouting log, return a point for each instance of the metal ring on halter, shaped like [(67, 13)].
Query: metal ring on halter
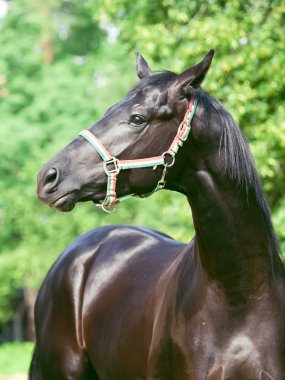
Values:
[(108, 209), (105, 206), (164, 157), (113, 161)]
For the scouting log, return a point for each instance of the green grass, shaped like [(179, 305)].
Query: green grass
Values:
[(15, 358)]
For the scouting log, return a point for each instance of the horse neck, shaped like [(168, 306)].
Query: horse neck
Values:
[(234, 234)]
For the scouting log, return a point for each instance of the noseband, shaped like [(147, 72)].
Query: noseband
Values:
[(113, 165)]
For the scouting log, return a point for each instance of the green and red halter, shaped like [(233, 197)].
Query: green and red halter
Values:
[(166, 159)]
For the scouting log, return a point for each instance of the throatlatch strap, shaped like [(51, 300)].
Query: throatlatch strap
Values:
[(111, 197)]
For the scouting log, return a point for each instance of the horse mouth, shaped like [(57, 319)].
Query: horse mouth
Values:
[(68, 201), (65, 203)]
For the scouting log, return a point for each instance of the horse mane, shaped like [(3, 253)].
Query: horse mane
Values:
[(238, 161)]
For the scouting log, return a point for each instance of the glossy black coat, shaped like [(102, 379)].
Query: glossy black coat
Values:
[(129, 303)]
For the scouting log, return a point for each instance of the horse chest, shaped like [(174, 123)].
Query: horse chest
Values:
[(246, 351), (239, 358)]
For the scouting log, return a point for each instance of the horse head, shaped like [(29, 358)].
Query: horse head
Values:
[(141, 133)]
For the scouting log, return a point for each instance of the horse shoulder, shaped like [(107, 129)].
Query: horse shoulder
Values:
[(96, 260)]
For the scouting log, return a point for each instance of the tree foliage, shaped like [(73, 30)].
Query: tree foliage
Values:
[(58, 74)]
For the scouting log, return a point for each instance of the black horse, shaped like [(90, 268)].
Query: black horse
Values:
[(130, 303)]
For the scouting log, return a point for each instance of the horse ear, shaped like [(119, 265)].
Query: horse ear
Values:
[(194, 76), (216, 374), (142, 67)]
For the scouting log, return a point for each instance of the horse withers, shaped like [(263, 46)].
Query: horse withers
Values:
[(130, 303)]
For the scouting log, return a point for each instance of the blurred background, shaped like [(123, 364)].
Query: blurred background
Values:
[(63, 63)]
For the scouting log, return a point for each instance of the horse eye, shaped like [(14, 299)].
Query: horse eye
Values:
[(137, 120)]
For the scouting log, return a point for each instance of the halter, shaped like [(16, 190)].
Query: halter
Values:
[(112, 165)]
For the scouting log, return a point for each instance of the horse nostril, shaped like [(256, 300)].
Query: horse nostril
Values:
[(51, 179)]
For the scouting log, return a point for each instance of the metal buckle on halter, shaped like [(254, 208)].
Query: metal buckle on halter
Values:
[(113, 161), (180, 128)]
